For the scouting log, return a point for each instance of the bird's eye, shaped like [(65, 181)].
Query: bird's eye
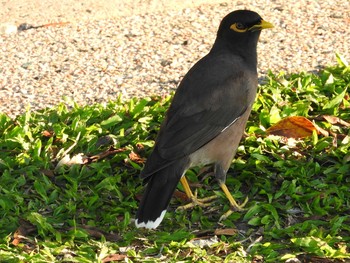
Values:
[(238, 27)]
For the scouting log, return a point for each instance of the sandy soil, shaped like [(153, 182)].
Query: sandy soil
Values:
[(41, 12)]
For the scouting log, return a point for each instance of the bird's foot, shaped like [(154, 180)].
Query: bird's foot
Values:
[(234, 207), (203, 202)]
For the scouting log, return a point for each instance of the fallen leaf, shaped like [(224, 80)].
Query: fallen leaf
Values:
[(226, 232), (335, 120), (140, 147), (47, 133), (181, 196), (114, 257), (321, 131), (136, 158), (335, 141), (22, 231), (293, 127)]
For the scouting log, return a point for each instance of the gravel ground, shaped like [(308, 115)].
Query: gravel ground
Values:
[(145, 54)]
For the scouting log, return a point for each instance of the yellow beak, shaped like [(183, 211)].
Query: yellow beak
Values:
[(263, 25)]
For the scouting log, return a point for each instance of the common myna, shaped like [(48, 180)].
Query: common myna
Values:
[(207, 116)]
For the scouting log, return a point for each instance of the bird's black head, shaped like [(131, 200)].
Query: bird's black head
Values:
[(239, 31)]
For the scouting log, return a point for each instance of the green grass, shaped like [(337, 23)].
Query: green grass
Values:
[(299, 193)]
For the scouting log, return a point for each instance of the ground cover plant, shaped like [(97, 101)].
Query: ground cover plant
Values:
[(69, 183)]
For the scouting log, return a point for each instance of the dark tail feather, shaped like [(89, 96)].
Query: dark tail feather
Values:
[(156, 198)]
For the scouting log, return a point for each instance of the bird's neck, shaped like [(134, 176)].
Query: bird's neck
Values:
[(247, 51)]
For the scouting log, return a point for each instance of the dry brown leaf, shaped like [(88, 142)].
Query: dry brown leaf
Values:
[(114, 257), (335, 140), (136, 158), (22, 231), (321, 131), (330, 119), (140, 147), (47, 133), (293, 127), (335, 120), (181, 196), (226, 232)]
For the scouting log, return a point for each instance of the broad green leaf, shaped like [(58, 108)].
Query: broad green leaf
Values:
[(111, 121), (336, 100)]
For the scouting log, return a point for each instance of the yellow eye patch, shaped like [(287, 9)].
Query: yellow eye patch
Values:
[(238, 27)]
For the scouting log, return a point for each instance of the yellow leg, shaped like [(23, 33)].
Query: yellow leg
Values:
[(233, 203), (186, 186), (195, 201)]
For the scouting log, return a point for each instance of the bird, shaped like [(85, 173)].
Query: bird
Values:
[(206, 118)]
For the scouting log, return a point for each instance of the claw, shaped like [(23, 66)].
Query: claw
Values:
[(204, 202), (234, 207)]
